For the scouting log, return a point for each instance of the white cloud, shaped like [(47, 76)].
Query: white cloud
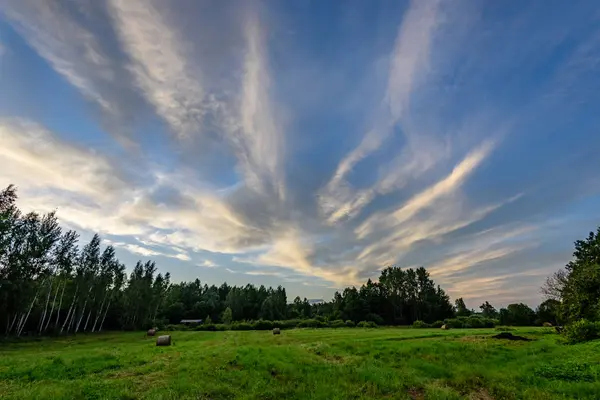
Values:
[(409, 60), (69, 46), (159, 64), (208, 264)]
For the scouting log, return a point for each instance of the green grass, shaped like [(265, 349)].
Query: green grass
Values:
[(390, 363)]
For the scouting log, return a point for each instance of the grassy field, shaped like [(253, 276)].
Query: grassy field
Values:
[(303, 364)]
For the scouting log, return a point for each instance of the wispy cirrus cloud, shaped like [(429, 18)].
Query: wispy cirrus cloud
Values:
[(452, 156), (159, 65)]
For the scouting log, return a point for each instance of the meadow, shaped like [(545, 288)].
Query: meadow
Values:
[(386, 363)]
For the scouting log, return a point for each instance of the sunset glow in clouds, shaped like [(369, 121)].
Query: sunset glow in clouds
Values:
[(311, 143)]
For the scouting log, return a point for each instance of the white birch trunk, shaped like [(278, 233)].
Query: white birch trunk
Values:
[(52, 308), (60, 304), (43, 317), (27, 317), (70, 309), (87, 319), (99, 313), (105, 312)]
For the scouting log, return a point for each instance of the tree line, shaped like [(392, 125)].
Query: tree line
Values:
[(50, 283)]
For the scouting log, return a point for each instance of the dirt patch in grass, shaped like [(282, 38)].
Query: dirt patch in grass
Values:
[(481, 394), (510, 336), (416, 393)]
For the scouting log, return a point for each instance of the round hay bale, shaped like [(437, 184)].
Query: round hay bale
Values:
[(163, 340), (151, 332), (445, 327), (276, 331)]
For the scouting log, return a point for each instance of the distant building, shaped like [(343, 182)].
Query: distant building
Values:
[(191, 321)]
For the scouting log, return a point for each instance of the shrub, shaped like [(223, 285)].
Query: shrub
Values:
[(221, 327), (437, 324), (241, 326), (290, 323), (420, 324), (176, 327), (504, 329), (474, 322), (350, 323), (582, 331), (455, 323), (366, 324), (263, 325), (547, 325), (311, 323), (375, 318), (338, 323), (206, 327)]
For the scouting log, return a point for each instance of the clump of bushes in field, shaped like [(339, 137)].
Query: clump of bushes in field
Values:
[(420, 324), (582, 331), (338, 323), (472, 321), (366, 324)]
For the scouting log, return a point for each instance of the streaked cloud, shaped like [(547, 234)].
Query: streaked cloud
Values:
[(262, 146)]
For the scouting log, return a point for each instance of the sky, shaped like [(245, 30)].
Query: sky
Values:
[(311, 143)]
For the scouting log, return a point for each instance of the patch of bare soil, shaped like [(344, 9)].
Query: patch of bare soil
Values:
[(510, 336), (416, 393), (481, 394)]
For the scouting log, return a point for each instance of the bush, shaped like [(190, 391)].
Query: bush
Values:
[(338, 323), (420, 324), (350, 323), (547, 325), (474, 322), (241, 326), (290, 323), (206, 327), (263, 325), (504, 329), (455, 323), (375, 318), (366, 324), (437, 324), (582, 331), (312, 323), (176, 327)]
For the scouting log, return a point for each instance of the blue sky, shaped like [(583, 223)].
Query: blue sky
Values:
[(311, 143)]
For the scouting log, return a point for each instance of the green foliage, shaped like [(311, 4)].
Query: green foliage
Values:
[(176, 327), (227, 316), (548, 312), (242, 326), (571, 371), (577, 287), (473, 321), (208, 320), (262, 325), (366, 324), (350, 324), (312, 323), (461, 308), (437, 324), (582, 331), (504, 329), (517, 314), (338, 323), (420, 324), (488, 311)]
